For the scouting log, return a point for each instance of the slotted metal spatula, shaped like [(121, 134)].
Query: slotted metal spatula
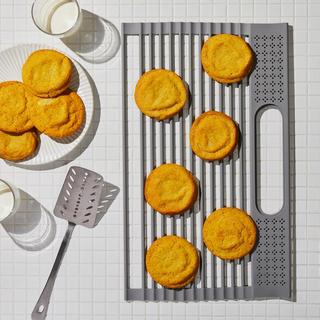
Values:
[(78, 203)]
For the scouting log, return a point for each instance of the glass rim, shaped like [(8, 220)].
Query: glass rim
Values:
[(50, 33)]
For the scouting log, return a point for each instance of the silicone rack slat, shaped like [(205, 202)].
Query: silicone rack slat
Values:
[(267, 272)]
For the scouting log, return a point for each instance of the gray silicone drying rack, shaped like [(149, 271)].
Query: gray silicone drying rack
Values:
[(270, 263)]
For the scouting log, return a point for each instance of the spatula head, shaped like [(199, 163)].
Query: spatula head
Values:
[(79, 198)]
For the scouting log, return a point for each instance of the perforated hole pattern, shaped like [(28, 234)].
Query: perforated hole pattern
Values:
[(269, 88), (268, 74), (79, 198), (270, 252)]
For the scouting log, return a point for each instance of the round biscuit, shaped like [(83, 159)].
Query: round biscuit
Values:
[(57, 117), (15, 147), (229, 233), (160, 94), (227, 58), (170, 189), (172, 261), (14, 116), (47, 73), (213, 136)]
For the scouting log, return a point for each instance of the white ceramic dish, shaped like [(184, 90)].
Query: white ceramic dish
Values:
[(11, 61)]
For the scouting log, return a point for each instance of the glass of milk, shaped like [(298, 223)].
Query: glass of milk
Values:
[(29, 224), (59, 18), (9, 199), (90, 36)]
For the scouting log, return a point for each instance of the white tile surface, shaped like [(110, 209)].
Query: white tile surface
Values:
[(90, 285)]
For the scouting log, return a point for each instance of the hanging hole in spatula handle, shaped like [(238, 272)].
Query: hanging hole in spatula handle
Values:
[(41, 308)]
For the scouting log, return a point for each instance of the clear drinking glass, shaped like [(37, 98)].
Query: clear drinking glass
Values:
[(59, 18), (26, 221), (90, 36)]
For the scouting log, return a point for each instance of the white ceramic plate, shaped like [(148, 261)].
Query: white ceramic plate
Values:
[(11, 61)]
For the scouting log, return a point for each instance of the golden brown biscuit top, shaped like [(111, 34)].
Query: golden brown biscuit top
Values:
[(14, 116), (229, 233), (57, 117), (54, 111), (170, 189), (213, 135), (172, 261), (16, 147), (160, 94), (46, 71), (226, 58)]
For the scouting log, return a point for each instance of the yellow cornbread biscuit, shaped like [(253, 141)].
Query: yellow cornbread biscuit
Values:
[(57, 117), (16, 147), (213, 135), (172, 261), (160, 94), (14, 116), (229, 233), (170, 189), (47, 73), (227, 58)]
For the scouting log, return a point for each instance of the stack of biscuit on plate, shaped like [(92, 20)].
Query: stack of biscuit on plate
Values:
[(170, 189), (42, 103)]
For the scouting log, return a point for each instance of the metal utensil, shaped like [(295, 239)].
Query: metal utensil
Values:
[(78, 203)]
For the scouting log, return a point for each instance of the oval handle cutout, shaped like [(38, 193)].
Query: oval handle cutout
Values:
[(269, 160)]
